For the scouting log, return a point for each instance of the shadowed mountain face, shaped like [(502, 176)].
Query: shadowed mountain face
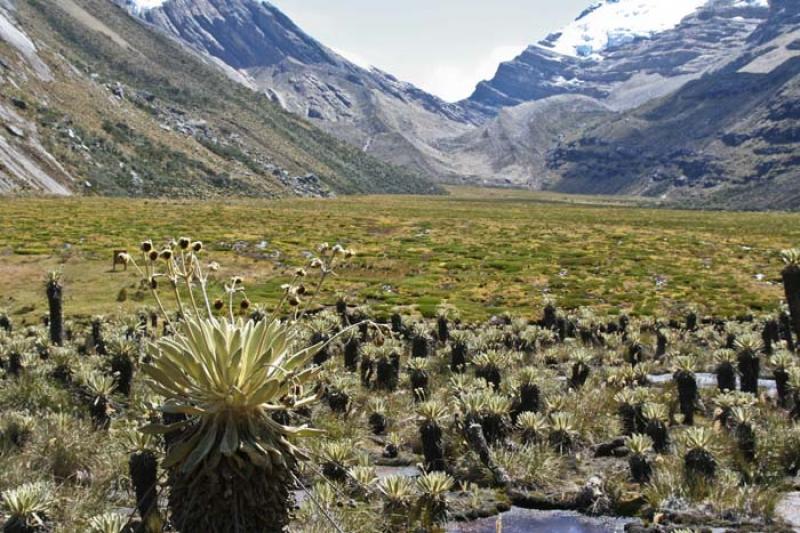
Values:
[(628, 74), (368, 108), (544, 98), (728, 139)]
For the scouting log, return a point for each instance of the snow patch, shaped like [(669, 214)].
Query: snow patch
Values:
[(612, 23), (140, 6), (751, 3)]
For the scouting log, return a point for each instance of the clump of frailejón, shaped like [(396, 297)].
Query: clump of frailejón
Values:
[(222, 376)]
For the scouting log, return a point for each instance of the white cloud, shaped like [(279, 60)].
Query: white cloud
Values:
[(456, 82)]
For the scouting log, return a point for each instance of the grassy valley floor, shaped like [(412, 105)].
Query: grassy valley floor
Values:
[(484, 251)]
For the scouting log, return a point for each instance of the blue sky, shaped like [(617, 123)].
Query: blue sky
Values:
[(443, 46)]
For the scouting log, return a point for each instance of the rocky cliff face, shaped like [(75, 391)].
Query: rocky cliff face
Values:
[(628, 71), (729, 139), (687, 99), (368, 108)]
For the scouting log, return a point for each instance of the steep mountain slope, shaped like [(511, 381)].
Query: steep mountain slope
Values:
[(729, 139), (368, 108), (94, 101), (616, 56), (512, 148), (625, 52)]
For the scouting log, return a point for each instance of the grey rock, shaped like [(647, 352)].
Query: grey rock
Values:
[(15, 131)]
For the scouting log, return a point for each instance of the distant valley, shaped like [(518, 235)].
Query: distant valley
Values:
[(693, 105)]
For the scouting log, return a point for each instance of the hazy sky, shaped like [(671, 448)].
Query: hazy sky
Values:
[(443, 46)]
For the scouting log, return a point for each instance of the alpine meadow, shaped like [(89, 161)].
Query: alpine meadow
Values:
[(250, 285)]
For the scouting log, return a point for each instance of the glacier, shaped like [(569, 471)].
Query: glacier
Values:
[(609, 24)]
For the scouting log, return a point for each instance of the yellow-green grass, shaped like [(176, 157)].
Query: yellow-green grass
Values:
[(486, 252)]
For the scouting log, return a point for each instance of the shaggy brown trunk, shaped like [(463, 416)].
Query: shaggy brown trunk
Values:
[(640, 468), (700, 463), (143, 469), (791, 286), (477, 442), (726, 377), (443, 329), (324, 353), (419, 346), (782, 386), (687, 395), (786, 331), (56, 319), (550, 317), (432, 448), (579, 375), (99, 409), (494, 428), (367, 368), (98, 342), (233, 497), (749, 368), (122, 368), (746, 441), (397, 323), (388, 372), (458, 357), (659, 433), (491, 374), (691, 321), (377, 421), (419, 384), (770, 335), (661, 345), (338, 401), (351, 351)]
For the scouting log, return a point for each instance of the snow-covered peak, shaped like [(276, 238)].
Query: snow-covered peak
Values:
[(610, 23), (140, 6)]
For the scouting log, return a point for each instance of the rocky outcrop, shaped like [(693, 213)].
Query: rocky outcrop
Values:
[(368, 108), (698, 109), (729, 139), (631, 73)]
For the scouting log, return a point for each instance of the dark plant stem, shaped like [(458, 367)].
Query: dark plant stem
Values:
[(432, 448), (56, 319), (726, 377), (791, 286)]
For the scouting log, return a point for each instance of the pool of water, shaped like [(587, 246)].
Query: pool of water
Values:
[(706, 380), (519, 520)]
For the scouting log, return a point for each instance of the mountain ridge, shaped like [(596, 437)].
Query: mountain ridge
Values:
[(368, 108), (107, 105), (728, 139)]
